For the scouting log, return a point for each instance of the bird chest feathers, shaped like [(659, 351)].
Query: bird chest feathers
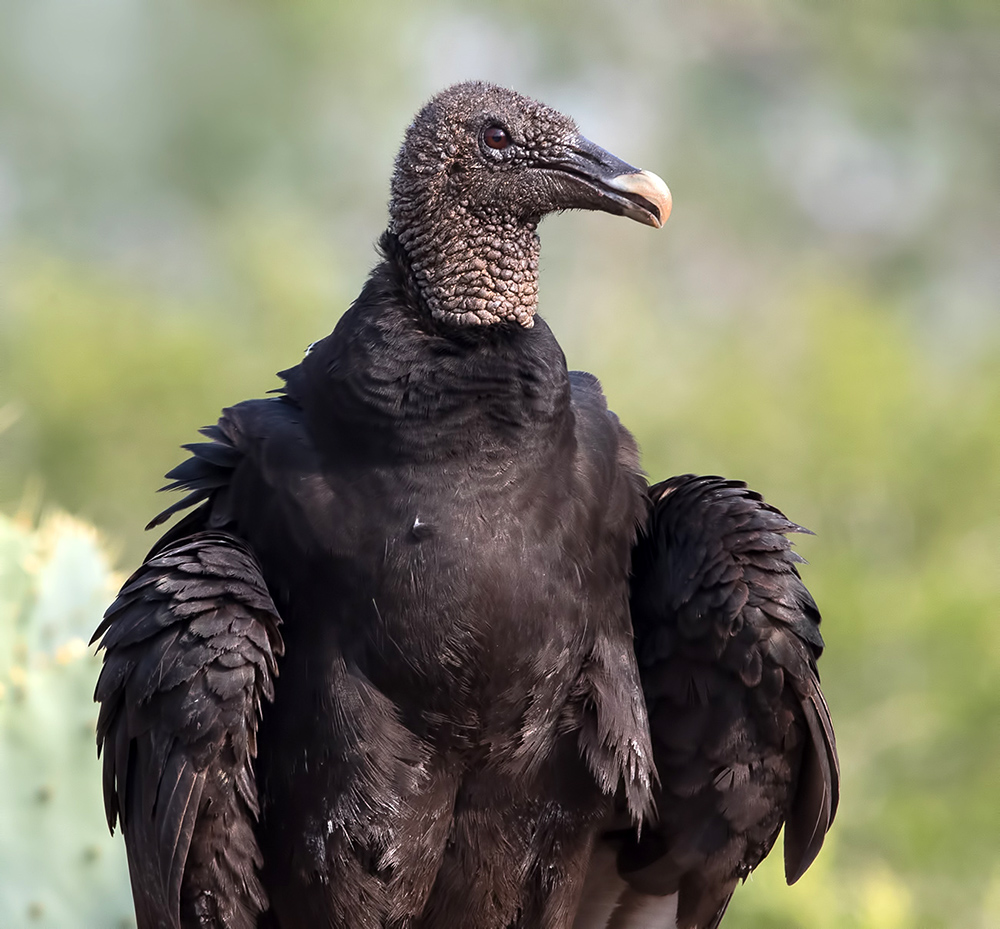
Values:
[(455, 585)]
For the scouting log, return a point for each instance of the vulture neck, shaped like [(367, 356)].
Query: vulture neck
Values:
[(393, 384), (470, 269)]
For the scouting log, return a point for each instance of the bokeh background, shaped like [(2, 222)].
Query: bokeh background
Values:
[(190, 193)]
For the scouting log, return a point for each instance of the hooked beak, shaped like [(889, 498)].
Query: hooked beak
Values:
[(647, 195), (594, 179)]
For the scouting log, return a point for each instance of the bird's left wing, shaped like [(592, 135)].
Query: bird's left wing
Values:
[(727, 639), (190, 653)]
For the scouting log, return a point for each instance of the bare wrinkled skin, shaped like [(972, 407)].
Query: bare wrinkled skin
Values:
[(489, 273), (470, 237)]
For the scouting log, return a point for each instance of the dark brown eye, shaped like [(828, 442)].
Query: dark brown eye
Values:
[(495, 137)]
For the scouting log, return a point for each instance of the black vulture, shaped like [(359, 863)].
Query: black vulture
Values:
[(425, 649)]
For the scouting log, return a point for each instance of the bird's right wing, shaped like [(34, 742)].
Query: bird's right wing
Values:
[(190, 654)]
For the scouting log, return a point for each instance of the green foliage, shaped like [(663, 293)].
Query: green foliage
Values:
[(60, 866)]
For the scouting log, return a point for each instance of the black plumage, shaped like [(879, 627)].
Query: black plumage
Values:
[(727, 638), (382, 673)]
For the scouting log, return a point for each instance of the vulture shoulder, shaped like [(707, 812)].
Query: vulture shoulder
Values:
[(191, 647), (259, 476)]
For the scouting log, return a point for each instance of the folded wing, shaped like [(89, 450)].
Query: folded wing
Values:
[(727, 638), (190, 654)]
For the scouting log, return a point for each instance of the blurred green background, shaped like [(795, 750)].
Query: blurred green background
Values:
[(190, 193)]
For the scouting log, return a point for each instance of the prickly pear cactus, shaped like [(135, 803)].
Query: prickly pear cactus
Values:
[(58, 864)]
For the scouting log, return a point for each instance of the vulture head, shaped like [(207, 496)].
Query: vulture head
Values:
[(479, 167)]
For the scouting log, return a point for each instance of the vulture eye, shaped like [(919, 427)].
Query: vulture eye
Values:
[(495, 137)]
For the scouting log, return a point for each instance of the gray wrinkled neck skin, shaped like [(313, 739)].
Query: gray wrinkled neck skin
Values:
[(469, 269), (467, 220)]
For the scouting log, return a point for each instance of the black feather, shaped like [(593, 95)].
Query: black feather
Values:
[(741, 734)]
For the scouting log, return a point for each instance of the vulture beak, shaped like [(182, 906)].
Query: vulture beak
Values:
[(646, 194), (597, 180)]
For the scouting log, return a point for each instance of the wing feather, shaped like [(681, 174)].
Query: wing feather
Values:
[(727, 638), (190, 652), (817, 793)]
